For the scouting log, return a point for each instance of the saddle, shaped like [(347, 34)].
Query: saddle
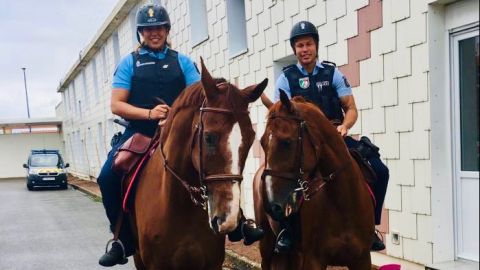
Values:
[(365, 150), (130, 159), (364, 165)]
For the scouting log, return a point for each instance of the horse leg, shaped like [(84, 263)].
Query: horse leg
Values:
[(363, 263), (138, 262)]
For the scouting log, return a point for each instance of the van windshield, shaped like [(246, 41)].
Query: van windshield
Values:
[(44, 160)]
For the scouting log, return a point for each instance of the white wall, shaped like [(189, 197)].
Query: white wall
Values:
[(15, 149)]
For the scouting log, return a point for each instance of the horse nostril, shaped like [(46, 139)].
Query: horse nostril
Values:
[(217, 222), (276, 210), (214, 224)]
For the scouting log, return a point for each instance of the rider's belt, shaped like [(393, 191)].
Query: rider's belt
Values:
[(130, 153)]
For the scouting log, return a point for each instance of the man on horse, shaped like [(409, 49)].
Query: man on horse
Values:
[(151, 73), (323, 84)]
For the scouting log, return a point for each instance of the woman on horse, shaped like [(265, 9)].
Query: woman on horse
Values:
[(151, 73), (323, 84)]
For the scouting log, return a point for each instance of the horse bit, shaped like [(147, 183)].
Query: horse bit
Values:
[(308, 185), (201, 191)]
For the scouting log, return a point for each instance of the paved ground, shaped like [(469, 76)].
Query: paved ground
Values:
[(50, 229)]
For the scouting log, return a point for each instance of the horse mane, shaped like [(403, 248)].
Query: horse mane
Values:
[(320, 128), (192, 96)]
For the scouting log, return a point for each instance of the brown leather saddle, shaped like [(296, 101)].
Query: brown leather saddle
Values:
[(129, 160)]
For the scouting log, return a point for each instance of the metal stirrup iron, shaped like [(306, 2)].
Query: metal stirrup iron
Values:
[(118, 241)]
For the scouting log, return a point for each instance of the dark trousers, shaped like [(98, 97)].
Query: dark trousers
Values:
[(379, 187), (111, 189)]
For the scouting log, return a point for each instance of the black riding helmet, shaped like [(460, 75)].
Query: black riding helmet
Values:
[(303, 28), (152, 15)]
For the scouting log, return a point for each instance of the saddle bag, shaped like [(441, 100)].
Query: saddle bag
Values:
[(129, 154), (367, 149)]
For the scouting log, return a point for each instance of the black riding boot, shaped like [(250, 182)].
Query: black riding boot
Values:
[(116, 255), (246, 230), (377, 243)]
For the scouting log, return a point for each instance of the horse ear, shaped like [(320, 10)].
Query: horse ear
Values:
[(253, 92), (266, 101), (285, 100), (208, 82)]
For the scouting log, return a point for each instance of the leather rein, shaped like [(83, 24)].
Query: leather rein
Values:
[(198, 194), (309, 183)]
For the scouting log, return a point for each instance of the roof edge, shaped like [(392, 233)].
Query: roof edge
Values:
[(116, 17)]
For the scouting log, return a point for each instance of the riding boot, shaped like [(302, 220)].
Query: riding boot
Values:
[(246, 230), (116, 255), (377, 243), (284, 242)]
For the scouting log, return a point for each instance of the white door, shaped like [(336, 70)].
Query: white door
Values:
[(465, 95)]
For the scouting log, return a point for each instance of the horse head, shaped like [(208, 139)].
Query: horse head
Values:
[(291, 155), (224, 135)]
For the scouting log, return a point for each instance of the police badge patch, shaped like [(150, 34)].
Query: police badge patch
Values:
[(304, 82), (319, 86)]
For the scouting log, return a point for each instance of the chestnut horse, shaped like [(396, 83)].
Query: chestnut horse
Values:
[(188, 194), (312, 183)]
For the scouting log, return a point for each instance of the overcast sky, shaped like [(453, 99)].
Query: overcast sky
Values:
[(46, 38)]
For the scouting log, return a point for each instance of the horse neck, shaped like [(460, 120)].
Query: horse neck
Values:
[(335, 158), (178, 154)]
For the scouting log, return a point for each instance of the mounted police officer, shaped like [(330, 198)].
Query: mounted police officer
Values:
[(154, 71), (323, 84)]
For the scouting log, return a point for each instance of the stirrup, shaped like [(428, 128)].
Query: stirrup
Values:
[(118, 241)]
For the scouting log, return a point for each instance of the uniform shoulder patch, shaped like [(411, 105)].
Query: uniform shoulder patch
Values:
[(346, 81), (328, 63), (289, 67)]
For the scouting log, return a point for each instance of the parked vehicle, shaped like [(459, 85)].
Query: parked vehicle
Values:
[(46, 168)]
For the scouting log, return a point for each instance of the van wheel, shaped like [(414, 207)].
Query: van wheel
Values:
[(30, 187), (65, 186)]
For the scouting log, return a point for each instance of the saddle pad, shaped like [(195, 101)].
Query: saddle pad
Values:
[(367, 171)]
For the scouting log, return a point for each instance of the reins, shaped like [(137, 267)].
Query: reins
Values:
[(198, 194), (309, 183)]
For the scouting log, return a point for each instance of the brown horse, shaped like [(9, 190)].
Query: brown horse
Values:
[(197, 167), (312, 183)]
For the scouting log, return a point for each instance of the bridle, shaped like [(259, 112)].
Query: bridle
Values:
[(310, 183), (198, 194)]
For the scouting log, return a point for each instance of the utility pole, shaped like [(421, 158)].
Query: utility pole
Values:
[(26, 93)]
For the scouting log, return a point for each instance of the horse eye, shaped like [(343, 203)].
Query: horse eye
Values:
[(211, 138), (285, 143)]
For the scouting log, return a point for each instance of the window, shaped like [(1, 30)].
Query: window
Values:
[(237, 28), (80, 109), (95, 79), (84, 86), (116, 48), (102, 150), (67, 100), (104, 65), (74, 100), (133, 25), (198, 21)]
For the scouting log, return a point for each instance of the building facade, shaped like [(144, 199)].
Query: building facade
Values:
[(412, 68)]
